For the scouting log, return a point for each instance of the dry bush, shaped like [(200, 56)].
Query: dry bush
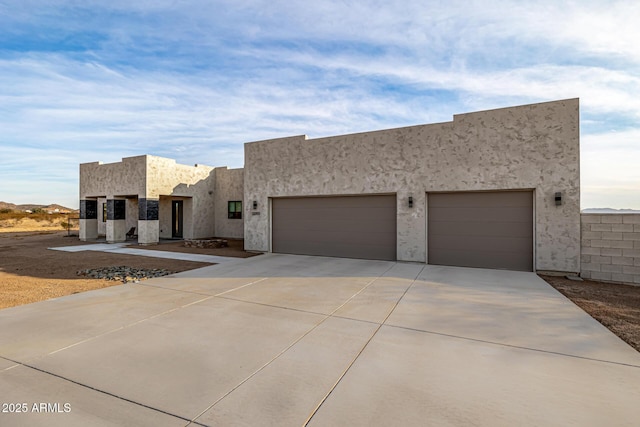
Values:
[(18, 215), (22, 221)]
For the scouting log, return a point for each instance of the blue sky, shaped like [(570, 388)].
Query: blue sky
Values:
[(84, 81)]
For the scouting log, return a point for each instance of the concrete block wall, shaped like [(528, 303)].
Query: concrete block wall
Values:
[(611, 247)]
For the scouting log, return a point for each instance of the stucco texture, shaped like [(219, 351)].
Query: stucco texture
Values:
[(228, 187), (113, 179), (532, 147), (192, 184), (156, 178)]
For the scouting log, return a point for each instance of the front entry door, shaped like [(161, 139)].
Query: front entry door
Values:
[(176, 218)]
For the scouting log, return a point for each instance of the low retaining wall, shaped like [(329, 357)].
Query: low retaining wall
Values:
[(611, 247)]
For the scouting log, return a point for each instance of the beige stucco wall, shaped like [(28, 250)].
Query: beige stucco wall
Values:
[(229, 186), (193, 184), (153, 177), (113, 179), (527, 147), (611, 247)]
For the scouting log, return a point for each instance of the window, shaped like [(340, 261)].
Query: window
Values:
[(235, 210), (104, 212)]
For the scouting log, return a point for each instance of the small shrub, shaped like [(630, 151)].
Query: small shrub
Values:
[(12, 215)]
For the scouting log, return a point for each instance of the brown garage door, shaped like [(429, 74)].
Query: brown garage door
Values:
[(349, 227), (488, 230)]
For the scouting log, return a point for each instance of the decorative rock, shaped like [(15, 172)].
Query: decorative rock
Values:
[(206, 243), (123, 273)]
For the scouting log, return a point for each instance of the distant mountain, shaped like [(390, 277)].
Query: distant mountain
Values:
[(60, 208), (609, 210), (54, 207), (5, 205)]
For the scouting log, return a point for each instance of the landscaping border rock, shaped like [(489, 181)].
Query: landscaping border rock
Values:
[(123, 273), (205, 243)]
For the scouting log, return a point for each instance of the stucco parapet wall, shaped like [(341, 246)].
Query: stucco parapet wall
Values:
[(167, 177), (127, 177), (145, 176), (530, 147)]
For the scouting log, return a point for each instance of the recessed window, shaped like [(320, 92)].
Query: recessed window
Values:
[(104, 212), (235, 210)]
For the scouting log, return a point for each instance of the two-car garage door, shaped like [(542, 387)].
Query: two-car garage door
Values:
[(481, 229), (344, 226)]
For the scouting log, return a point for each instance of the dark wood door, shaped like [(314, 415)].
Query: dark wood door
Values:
[(176, 219)]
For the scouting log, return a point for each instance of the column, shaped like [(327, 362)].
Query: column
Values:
[(88, 219), (116, 215), (148, 221)]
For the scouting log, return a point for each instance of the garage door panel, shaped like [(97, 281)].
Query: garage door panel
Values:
[(484, 214), (478, 243), (344, 226), (338, 214), (485, 259), (328, 236), (482, 199), (329, 203), (482, 229), (369, 224), (334, 249), (476, 228)]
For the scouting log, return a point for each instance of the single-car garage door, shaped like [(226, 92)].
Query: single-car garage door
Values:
[(345, 226), (482, 229)]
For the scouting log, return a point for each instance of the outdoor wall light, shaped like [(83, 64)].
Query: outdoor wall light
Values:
[(558, 198), (255, 205), (410, 201)]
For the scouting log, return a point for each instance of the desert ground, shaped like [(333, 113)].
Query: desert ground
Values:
[(30, 272), (22, 222)]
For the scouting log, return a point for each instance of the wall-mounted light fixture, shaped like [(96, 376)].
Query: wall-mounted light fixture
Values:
[(558, 198), (255, 205), (410, 201)]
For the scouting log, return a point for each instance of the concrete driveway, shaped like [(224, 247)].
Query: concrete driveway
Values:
[(294, 340)]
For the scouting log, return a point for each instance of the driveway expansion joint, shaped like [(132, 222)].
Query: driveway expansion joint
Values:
[(124, 399), (538, 350), (297, 340), (353, 361)]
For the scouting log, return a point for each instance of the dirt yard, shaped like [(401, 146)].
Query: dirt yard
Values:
[(29, 272)]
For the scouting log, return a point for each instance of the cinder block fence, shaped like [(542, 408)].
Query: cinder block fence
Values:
[(611, 247)]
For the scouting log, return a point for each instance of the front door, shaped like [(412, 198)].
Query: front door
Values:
[(176, 218)]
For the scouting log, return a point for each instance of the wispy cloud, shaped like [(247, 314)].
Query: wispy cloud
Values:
[(193, 80)]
